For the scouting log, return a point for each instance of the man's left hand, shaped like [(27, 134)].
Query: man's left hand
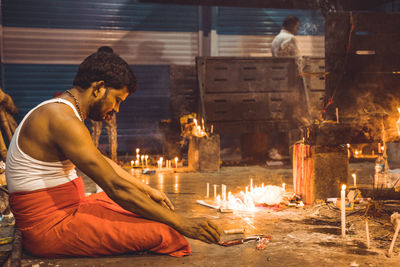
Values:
[(161, 198)]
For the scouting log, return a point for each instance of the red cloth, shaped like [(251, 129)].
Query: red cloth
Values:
[(302, 172), (62, 221)]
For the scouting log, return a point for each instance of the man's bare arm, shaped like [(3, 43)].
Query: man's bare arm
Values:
[(155, 194), (74, 141)]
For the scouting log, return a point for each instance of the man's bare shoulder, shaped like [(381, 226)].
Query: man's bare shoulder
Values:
[(62, 120), (45, 127)]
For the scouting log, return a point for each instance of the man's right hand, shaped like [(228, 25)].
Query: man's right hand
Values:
[(200, 229)]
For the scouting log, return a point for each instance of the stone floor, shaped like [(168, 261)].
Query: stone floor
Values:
[(301, 236)]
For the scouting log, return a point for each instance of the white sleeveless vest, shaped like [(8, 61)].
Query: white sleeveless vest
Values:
[(24, 173)]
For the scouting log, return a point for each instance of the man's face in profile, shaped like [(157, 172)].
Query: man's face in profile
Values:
[(296, 28), (104, 108)]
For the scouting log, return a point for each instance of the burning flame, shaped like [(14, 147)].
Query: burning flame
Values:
[(398, 123), (247, 201), (198, 130)]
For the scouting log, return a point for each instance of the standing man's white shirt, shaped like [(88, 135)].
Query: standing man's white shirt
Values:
[(285, 44)]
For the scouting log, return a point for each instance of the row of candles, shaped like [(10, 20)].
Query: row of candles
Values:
[(249, 204), (142, 161), (223, 189), (358, 153), (248, 199)]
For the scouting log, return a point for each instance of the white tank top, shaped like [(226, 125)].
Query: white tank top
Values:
[(24, 173)]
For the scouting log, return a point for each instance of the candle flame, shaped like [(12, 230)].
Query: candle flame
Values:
[(137, 150), (354, 175), (197, 130), (398, 123), (343, 187), (348, 145), (247, 201)]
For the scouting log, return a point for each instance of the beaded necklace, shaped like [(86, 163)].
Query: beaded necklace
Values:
[(76, 103)]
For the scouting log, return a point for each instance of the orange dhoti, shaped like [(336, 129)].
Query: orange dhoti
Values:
[(62, 221)]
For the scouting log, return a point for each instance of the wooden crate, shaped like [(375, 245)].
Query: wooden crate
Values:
[(246, 95)]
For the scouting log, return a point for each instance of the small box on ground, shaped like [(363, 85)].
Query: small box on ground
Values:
[(204, 153), (319, 171)]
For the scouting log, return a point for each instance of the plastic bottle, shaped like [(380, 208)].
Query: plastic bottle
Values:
[(380, 171)]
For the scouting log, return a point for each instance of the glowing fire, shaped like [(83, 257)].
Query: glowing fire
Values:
[(398, 123), (198, 130), (247, 201)]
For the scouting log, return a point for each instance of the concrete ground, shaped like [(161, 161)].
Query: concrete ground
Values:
[(300, 236)]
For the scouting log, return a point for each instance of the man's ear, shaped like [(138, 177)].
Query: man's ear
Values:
[(98, 88)]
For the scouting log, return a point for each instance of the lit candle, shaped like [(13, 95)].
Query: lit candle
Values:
[(337, 115), (223, 192), (137, 163), (247, 189), (208, 190), (354, 180), (161, 162), (343, 209), (141, 160), (137, 153), (176, 162), (284, 186), (131, 163), (348, 150), (215, 191), (251, 184), (146, 157), (396, 232), (367, 233)]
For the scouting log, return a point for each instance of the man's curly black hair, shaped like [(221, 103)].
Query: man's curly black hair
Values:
[(105, 65)]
